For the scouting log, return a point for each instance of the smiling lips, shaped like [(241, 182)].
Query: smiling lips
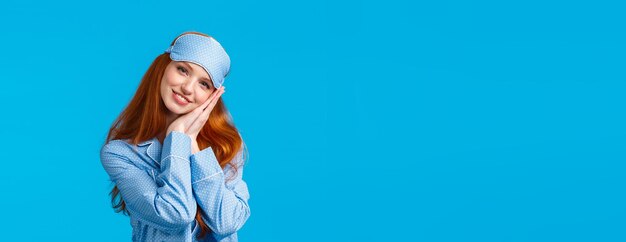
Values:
[(179, 98)]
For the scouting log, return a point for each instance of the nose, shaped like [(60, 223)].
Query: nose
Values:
[(188, 87)]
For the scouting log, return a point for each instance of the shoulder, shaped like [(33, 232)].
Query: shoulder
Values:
[(116, 146), (118, 149)]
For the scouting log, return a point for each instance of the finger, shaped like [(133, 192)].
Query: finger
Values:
[(190, 117), (209, 108), (212, 97), (212, 104), (199, 111), (201, 108), (201, 120)]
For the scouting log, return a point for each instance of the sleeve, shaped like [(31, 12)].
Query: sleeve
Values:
[(224, 204), (166, 202)]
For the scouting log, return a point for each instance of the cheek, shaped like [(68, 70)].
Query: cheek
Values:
[(169, 80), (172, 78), (205, 97)]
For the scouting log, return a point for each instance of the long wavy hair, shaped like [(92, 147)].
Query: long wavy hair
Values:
[(145, 118)]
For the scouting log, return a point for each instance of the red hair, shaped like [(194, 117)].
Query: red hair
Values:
[(144, 118)]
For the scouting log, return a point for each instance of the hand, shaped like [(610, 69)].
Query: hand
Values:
[(191, 123)]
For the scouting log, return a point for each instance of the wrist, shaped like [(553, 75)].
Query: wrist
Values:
[(172, 130), (194, 146)]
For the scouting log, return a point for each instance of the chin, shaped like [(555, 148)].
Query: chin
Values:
[(174, 108)]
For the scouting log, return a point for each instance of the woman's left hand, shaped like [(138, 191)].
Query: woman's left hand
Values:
[(197, 124)]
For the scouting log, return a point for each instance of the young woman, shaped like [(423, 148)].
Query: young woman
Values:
[(174, 154)]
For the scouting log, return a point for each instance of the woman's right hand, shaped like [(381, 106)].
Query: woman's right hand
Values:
[(191, 123)]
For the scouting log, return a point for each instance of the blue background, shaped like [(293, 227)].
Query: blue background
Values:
[(365, 120)]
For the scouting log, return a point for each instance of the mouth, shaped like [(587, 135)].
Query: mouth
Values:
[(180, 98)]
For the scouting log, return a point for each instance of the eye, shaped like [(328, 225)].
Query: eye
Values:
[(206, 85), (182, 69)]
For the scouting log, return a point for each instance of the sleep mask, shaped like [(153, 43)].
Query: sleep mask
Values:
[(203, 51)]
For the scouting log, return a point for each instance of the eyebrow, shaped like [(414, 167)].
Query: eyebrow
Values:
[(202, 78)]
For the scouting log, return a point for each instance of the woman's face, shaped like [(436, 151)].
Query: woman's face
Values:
[(185, 86)]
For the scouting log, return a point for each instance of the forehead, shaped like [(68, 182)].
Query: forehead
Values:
[(195, 68)]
